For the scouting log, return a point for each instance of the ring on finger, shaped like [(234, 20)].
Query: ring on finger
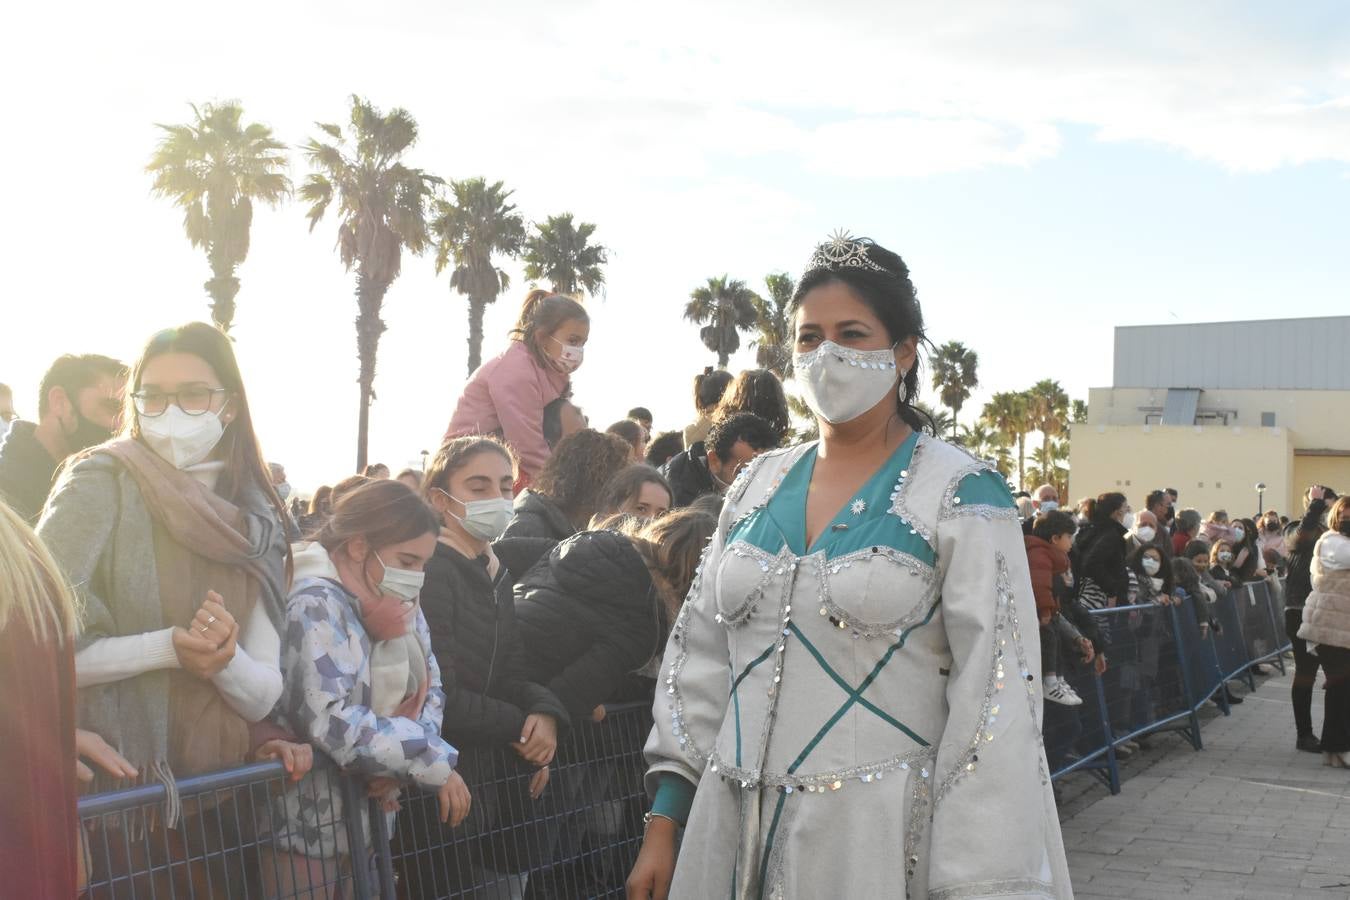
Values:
[(210, 620)]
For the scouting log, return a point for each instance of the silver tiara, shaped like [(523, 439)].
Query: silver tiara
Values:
[(842, 251)]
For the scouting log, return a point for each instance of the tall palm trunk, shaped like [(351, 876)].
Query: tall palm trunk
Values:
[(1021, 460), (222, 288), (369, 298), (723, 358), (477, 306)]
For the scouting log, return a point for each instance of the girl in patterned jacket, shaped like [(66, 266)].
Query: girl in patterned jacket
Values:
[(361, 684)]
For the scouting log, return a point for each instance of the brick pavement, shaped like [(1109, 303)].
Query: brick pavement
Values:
[(1247, 818)]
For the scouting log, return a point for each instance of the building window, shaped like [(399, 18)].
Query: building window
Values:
[(1267, 420)]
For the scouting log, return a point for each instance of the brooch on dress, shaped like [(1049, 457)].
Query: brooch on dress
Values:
[(858, 506)]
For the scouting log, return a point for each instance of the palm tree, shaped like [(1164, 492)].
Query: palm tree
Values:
[(479, 223), (941, 421), (214, 169), (381, 209), (1078, 412), (1006, 413), (724, 307), (955, 376), (561, 254), (774, 324), (802, 413), (1049, 468), (1048, 409)]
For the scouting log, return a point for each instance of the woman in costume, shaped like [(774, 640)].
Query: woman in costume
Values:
[(850, 701)]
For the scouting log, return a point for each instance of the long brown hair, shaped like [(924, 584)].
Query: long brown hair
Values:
[(580, 467), (32, 589), (1338, 519), (540, 315), (382, 511), (239, 448), (757, 391), (672, 547), (454, 455)]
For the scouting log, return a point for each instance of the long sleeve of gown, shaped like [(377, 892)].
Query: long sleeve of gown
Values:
[(692, 689), (994, 816)]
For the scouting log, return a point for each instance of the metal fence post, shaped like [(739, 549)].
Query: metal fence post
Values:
[(1186, 687), (1277, 629), (353, 802), (384, 861), (1112, 764), (1242, 635)]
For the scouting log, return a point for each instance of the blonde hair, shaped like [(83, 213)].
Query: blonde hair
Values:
[(32, 587), (1217, 549)]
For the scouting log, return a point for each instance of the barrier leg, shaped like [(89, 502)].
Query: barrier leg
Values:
[(1277, 629), (1112, 764), (384, 863), (1247, 675), (353, 801), (1187, 688)]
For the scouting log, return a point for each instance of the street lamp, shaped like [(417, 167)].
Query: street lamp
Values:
[(1260, 496), (425, 454)]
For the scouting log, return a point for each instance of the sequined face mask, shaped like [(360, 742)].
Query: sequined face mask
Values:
[(839, 383)]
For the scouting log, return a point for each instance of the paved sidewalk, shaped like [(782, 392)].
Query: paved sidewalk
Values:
[(1247, 818)]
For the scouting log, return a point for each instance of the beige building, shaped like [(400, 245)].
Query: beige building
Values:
[(1214, 409)]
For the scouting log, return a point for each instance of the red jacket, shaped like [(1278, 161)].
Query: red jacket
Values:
[(1047, 562)]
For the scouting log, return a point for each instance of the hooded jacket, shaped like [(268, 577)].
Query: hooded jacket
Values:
[(1046, 562), (538, 516), (689, 475), (474, 635), (588, 616), (1326, 612), (26, 471)]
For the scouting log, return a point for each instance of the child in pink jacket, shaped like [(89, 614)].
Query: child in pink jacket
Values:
[(507, 395)]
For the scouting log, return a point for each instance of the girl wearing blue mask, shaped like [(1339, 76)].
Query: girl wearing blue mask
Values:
[(361, 684), (851, 677)]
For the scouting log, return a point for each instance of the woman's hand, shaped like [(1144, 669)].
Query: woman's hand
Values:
[(455, 800), (1088, 651), (100, 753), (1101, 664), (598, 714), (538, 781), (297, 758), (538, 739), (655, 866), (213, 620), (199, 654)]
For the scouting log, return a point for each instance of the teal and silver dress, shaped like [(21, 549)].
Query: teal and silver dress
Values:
[(860, 717)]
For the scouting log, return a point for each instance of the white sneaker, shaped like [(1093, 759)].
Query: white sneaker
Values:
[(1058, 691)]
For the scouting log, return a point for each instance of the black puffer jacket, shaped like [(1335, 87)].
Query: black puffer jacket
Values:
[(538, 516), (689, 476), (1099, 553), (477, 643), (588, 617)]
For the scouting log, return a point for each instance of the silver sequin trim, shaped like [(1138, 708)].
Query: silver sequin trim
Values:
[(679, 634), (1024, 665), (900, 507), (866, 359), (772, 567), (1009, 887), (773, 874), (952, 508), (914, 566), (919, 760), (965, 763), (914, 830)]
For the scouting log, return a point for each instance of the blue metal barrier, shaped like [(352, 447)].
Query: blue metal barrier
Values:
[(234, 840), (1165, 662)]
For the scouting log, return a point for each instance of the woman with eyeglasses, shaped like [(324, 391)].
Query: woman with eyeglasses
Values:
[(173, 538)]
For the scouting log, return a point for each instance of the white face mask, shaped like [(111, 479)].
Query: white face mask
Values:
[(1151, 565), (570, 358), (1225, 557), (180, 439), (1145, 533), (404, 584), (283, 490), (1049, 505), (1128, 521), (484, 519), (1239, 532), (839, 384)]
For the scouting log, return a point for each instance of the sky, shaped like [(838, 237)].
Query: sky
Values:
[(1047, 170)]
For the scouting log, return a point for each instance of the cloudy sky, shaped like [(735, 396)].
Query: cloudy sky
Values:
[(1048, 171)]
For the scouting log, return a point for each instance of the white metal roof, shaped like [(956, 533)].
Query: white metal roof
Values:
[(1272, 354)]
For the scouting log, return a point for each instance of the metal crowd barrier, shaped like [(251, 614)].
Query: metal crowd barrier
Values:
[(581, 837), (1164, 664), (232, 839)]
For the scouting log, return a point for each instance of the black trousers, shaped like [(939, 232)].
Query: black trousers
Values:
[(1336, 717), (1305, 673)]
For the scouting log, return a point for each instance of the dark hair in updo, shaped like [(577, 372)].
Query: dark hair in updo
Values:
[(891, 296)]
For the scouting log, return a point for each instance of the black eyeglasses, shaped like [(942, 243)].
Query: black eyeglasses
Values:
[(194, 401)]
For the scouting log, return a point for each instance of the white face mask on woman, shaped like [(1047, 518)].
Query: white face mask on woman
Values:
[(483, 519), (181, 440), (1239, 532), (839, 383), (1151, 565)]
